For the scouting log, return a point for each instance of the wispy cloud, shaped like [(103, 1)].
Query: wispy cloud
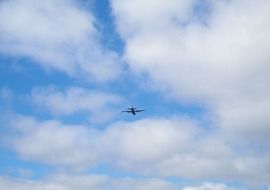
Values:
[(100, 106), (222, 65), (51, 142), (150, 147), (81, 146), (210, 186), (97, 182), (58, 35), (219, 62), (100, 182)]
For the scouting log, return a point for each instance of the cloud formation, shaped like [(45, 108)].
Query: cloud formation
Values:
[(101, 182), (150, 147), (78, 146), (98, 105), (210, 186), (51, 142), (59, 35), (82, 182), (210, 53), (221, 63)]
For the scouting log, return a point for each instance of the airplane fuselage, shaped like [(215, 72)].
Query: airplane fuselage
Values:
[(133, 111)]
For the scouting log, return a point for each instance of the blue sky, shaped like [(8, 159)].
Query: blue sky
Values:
[(199, 68)]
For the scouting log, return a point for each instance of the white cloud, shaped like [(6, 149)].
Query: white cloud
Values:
[(210, 186), (80, 146), (51, 142), (137, 16), (151, 147), (223, 65), (147, 140), (99, 105), (83, 182), (58, 35), (100, 182), (56, 183)]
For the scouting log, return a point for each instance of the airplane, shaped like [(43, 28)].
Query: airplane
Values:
[(132, 110)]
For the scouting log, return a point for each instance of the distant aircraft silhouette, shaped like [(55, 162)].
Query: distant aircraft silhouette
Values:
[(132, 110)]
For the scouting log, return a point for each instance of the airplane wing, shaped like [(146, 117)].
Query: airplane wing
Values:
[(139, 110), (127, 111)]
